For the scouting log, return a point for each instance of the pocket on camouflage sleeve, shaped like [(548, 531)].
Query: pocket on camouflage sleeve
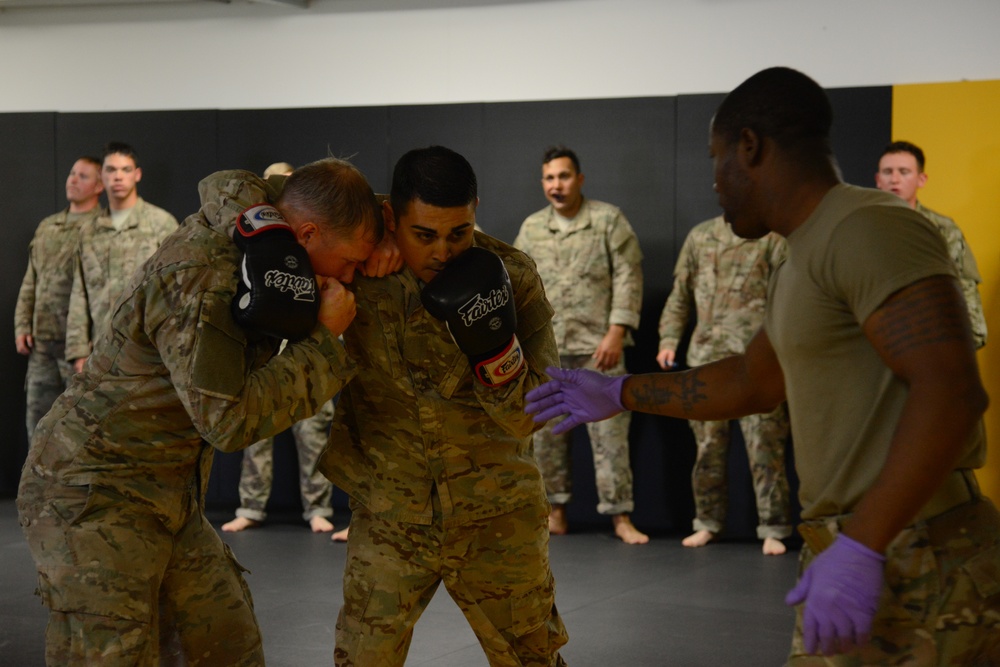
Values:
[(219, 365), (984, 571)]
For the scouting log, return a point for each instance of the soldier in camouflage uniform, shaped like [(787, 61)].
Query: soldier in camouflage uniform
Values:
[(438, 466), (111, 248), (721, 280), (867, 336), (112, 493), (42, 302), (591, 265), (257, 474), (901, 172)]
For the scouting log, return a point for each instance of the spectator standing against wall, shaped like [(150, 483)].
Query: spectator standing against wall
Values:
[(591, 266), (901, 172), (111, 248), (721, 282), (43, 300)]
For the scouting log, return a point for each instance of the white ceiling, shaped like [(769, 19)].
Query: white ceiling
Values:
[(38, 4)]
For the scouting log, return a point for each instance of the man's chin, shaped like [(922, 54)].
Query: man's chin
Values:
[(745, 231), (428, 275)]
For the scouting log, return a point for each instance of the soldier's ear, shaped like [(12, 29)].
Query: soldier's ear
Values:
[(388, 216)]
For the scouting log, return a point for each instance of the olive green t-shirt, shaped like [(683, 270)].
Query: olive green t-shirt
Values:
[(857, 248)]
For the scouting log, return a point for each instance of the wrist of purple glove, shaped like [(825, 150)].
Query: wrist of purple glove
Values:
[(580, 394), (841, 590)]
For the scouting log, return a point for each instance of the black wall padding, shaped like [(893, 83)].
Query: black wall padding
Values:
[(647, 155)]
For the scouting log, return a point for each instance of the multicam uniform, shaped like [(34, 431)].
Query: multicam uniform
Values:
[(722, 279), (104, 264), (257, 471), (42, 303), (968, 272), (941, 601), (442, 482), (112, 492), (593, 277)]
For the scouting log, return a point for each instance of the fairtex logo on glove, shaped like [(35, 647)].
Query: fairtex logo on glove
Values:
[(479, 306), (258, 218), (503, 367), (303, 287)]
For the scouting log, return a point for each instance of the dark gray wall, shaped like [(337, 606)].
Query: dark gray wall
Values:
[(647, 155)]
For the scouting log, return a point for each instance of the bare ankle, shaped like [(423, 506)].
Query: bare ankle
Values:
[(558, 525)]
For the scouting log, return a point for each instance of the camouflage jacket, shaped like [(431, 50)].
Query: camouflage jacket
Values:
[(105, 261), (174, 373), (43, 299), (592, 272), (722, 280), (415, 438), (968, 272)]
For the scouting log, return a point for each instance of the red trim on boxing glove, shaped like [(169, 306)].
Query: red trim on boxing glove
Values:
[(503, 367), (260, 218)]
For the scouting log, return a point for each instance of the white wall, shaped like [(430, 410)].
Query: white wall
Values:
[(374, 52)]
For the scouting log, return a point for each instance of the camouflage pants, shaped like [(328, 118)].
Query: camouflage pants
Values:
[(941, 601), (495, 569), (257, 472), (47, 376), (121, 590), (765, 437), (609, 444)]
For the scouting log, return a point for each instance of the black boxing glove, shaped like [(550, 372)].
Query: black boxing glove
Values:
[(276, 292), (474, 297)]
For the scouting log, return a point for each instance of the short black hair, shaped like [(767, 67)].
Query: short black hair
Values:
[(554, 152), (119, 148), (780, 103), (435, 175), (905, 147)]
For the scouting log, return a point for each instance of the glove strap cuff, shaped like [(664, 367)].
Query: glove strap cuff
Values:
[(503, 367), (259, 218)]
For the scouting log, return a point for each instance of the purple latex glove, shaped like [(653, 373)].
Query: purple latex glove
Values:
[(841, 589), (584, 395)]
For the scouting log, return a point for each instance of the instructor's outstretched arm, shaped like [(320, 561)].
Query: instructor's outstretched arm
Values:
[(732, 387)]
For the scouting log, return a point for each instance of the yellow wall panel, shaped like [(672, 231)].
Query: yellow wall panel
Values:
[(956, 124)]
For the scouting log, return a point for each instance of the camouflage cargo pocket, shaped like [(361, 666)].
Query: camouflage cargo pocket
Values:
[(531, 609), (106, 612), (538, 630), (240, 571), (913, 582)]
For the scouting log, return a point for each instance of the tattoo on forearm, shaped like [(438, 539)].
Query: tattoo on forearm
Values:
[(678, 398), (924, 315)]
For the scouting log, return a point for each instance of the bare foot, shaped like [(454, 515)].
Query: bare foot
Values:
[(699, 538), (773, 546), (340, 535), (238, 524), (628, 533), (320, 524), (557, 520)]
